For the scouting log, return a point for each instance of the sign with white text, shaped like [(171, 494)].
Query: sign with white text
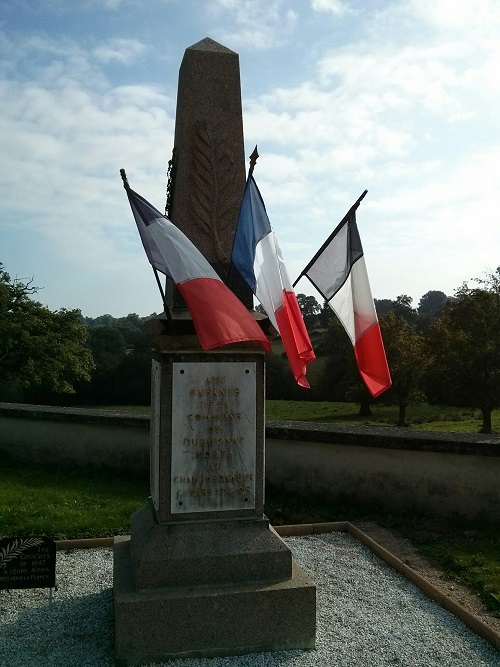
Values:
[(27, 562)]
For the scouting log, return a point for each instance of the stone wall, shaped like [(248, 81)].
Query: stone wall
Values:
[(75, 436), (393, 469)]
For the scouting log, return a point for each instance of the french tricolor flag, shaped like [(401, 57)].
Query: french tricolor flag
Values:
[(338, 271), (218, 315), (258, 258)]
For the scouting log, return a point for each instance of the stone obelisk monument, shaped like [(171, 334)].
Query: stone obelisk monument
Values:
[(208, 163), (203, 573)]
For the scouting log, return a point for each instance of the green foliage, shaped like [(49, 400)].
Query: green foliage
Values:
[(424, 416), (404, 348), (308, 305), (340, 379), (401, 306), (39, 347), (464, 350), (67, 503), (310, 309), (471, 557), (431, 302), (122, 374), (108, 349)]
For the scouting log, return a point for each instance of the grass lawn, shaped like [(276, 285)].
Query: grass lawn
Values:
[(468, 552), (66, 504), (421, 416)]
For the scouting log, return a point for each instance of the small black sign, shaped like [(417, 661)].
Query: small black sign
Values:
[(27, 562)]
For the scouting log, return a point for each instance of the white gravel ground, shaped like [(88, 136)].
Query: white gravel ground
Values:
[(368, 615)]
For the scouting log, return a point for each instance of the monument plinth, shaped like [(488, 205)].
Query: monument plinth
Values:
[(203, 574)]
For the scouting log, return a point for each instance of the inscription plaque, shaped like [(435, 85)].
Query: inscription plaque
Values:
[(213, 436), (27, 562)]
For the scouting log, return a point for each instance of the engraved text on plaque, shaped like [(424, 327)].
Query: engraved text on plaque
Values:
[(213, 436)]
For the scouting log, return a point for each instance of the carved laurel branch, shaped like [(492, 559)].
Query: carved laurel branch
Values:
[(16, 548), (214, 183)]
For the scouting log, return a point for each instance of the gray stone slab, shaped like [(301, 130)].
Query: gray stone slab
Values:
[(208, 552), (160, 624)]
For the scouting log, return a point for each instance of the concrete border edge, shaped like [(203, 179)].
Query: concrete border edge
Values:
[(472, 621)]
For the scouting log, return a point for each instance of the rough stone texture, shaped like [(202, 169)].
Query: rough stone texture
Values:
[(209, 552), (207, 621), (207, 583), (194, 580), (208, 173), (209, 154), (193, 355)]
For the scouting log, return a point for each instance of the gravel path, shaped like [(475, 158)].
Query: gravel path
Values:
[(368, 615)]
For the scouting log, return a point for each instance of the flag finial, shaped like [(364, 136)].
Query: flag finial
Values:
[(124, 179), (253, 160)]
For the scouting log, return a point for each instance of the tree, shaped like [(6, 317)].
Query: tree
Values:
[(39, 347), (383, 306), (430, 303), (108, 348), (464, 345), (325, 315), (340, 379), (404, 348), (402, 307), (429, 309), (309, 308)]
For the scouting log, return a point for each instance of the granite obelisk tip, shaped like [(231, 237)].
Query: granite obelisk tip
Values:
[(209, 181)]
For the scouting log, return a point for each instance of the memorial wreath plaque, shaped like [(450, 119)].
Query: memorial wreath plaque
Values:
[(27, 562)]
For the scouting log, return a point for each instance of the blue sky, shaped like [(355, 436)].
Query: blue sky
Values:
[(399, 97)]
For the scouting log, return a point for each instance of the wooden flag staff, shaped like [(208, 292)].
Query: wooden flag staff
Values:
[(253, 160), (335, 231)]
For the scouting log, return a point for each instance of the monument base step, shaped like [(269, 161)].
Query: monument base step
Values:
[(206, 552), (166, 623)]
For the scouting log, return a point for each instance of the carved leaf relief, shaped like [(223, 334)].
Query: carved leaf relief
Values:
[(213, 179), (16, 548)]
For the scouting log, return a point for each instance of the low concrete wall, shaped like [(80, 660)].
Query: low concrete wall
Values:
[(393, 469), (397, 470), (75, 436)]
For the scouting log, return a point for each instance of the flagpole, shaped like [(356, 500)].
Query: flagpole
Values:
[(253, 159), (332, 235), (167, 309)]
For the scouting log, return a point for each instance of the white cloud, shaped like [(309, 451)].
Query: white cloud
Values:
[(123, 51), (332, 6), (404, 104), (473, 18), (64, 142), (260, 24), (412, 116)]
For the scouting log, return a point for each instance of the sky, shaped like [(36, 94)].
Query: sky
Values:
[(399, 97)]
